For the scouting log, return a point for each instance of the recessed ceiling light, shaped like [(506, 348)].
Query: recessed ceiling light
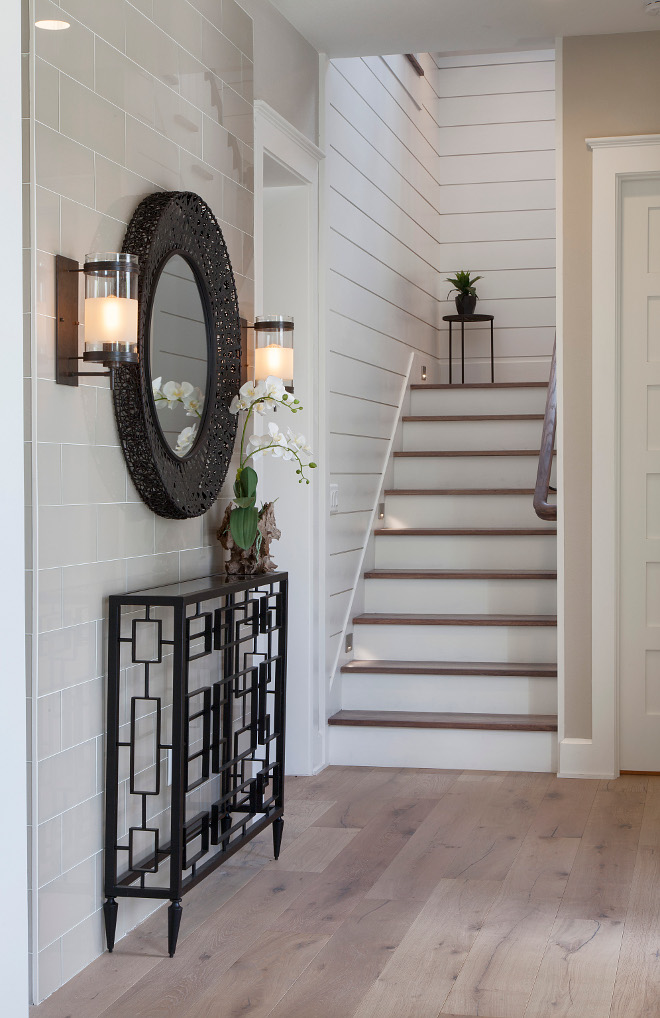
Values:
[(652, 6), (52, 26)]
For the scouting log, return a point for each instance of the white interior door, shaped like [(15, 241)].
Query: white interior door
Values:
[(639, 672)]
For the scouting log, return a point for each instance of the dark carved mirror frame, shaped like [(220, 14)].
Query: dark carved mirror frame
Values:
[(164, 224)]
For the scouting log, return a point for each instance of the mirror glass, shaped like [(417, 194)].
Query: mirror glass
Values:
[(178, 351)]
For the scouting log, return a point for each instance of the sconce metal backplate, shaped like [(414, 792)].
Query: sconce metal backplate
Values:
[(66, 320)]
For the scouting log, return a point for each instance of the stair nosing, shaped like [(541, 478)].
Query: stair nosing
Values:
[(479, 385), (498, 669), (465, 532), (460, 619), (389, 492), (446, 720), (455, 453), (457, 418), (460, 574)]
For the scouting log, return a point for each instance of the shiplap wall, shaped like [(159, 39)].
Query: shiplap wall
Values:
[(426, 176), (496, 166), (382, 302)]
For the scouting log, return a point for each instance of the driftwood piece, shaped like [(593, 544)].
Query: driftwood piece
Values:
[(246, 562)]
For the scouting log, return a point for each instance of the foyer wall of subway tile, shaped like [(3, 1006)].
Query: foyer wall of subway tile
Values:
[(133, 98)]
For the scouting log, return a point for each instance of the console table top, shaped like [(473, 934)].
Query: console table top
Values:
[(199, 589)]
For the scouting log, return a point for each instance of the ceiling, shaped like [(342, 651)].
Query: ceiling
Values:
[(374, 27)]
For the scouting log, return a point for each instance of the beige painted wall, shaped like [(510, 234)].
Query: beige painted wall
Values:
[(611, 85), (286, 68)]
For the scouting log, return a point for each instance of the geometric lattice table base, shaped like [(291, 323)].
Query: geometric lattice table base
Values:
[(195, 733)]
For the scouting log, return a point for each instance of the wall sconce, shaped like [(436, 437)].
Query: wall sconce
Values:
[(111, 314), (273, 348)]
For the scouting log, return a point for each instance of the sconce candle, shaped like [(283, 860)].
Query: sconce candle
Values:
[(111, 307), (273, 347)]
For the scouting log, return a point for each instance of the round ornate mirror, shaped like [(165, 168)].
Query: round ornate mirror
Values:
[(172, 408)]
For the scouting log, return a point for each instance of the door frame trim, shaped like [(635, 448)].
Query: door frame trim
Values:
[(614, 159), (274, 136)]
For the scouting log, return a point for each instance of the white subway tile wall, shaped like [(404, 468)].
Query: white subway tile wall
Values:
[(133, 98)]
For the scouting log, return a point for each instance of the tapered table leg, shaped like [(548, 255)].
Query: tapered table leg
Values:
[(174, 913), (110, 909), (278, 828)]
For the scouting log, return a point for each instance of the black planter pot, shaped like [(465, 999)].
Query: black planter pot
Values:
[(466, 303)]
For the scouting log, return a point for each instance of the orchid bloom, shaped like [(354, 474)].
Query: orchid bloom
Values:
[(247, 394), (274, 442), (186, 440), (194, 403), (298, 443), (274, 389), (155, 386), (175, 392)]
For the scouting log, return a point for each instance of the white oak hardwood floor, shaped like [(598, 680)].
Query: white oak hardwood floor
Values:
[(412, 894)]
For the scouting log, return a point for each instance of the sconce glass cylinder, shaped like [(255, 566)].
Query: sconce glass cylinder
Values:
[(111, 308), (273, 347)]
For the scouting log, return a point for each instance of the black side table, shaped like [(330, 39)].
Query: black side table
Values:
[(470, 318)]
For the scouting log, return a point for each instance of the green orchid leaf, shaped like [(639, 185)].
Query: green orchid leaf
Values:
[(245, 503), (249, 480), (243, 525)]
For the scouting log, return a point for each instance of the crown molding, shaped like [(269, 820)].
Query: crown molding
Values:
[(624, 141)]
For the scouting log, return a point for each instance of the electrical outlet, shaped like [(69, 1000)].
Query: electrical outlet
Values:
[(334, 499)]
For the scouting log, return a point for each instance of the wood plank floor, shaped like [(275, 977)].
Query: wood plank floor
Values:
[(412, 894)]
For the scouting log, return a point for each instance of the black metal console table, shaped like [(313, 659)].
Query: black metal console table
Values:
[(195, 733), (470, 318)]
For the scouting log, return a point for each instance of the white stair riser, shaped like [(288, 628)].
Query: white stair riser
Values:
[(472, 435), (461, 511), (448, 402), (455, 643), (465, 471), (535, 551), (443, 748), (468, 694), (478, 597)]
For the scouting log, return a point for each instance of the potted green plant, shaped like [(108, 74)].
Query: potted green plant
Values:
[(466, 295)]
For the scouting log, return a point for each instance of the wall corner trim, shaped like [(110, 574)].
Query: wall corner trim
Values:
[(266, 112), (623, 141)]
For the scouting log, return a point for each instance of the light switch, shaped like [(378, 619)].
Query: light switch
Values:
[(334, 499)]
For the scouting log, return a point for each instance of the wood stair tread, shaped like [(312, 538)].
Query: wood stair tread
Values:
[(494, 668), (431, 419), (464, 532), (419, 453), (434, 619), (458, 491), (434, 719), (460, 574), (480, 385)]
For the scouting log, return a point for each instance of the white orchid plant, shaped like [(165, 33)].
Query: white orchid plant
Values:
[(259, 397), (172, 394)]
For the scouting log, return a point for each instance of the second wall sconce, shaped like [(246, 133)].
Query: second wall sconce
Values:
[(111, 314), (272, 351)]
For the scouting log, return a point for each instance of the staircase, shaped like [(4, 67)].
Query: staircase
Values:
[(455, 654)]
